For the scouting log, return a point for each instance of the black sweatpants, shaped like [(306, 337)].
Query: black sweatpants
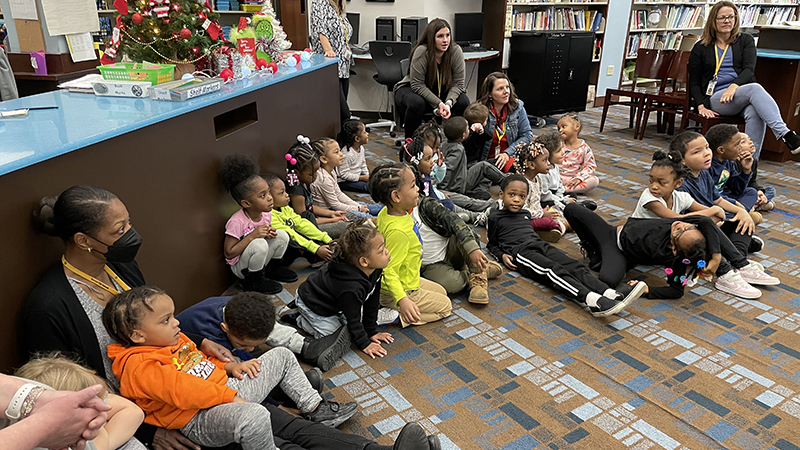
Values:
[(740, 241), (344, 91), (602, 236), (548, 265), (412, 107), (294, 433)]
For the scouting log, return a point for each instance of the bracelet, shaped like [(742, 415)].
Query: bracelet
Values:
[(15, 406), (30, 401)]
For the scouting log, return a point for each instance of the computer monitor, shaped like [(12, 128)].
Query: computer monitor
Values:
[(468, 28), (355, 21)]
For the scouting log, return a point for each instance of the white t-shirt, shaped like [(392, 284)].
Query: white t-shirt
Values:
[(681, 201), (434, 246)]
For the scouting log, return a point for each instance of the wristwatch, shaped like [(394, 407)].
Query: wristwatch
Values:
[(21, 405)]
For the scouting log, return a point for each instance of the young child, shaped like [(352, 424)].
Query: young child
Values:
[(63, 374), (325, 191), (661, 197), (346, 291), (302, 165), (353, 174), (513, 240), (247, 320), (578, 166), (731, 168), (477, 115), (419, 301), (178, 387), (474, 180), (554, 196), (252, 247), (307, 239), (420, 154)]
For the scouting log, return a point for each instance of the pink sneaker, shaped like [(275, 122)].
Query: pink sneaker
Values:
[(734, 284), (752, 274)]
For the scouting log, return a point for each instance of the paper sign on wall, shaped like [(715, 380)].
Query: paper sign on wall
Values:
[(23, 9), (70, 16), (81, 47), (29, 33)]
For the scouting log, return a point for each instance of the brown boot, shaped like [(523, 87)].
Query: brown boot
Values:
[(493, 270), (478, 292), (756, 216)]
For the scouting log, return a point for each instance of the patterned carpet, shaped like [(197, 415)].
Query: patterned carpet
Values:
[(532, 370)]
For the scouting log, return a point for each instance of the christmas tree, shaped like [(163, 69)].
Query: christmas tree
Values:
[(164, 31)]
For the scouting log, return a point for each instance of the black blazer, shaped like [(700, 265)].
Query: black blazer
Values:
[(702, 64)]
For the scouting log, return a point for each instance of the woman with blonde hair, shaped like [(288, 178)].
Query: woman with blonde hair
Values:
[(330, 35), (722, 79)]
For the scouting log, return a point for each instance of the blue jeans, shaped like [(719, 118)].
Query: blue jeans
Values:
[(758, 109), (374, 209), (769, 192), (316, 325), (355, 186)]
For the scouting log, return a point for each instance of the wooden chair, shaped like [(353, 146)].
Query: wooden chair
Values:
[(673, 100), (649, 64), (703, 124)]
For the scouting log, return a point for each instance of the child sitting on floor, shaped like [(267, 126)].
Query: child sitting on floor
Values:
[(353, 174), (346, 292), (419, 301), (477, 115), (252, 247), (731, 168), (513, 240), (661, 197), (247, 320), (63, 374), (473, 181), (179, 387), (578, 166), (325, 191)]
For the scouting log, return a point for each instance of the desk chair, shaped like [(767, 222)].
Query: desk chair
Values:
[(387, 56)]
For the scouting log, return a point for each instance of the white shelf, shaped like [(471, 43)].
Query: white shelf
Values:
[(555, 3), (648, 30), (668, 3)]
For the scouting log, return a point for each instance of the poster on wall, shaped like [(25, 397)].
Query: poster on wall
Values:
[(70, 16), (23, 9)]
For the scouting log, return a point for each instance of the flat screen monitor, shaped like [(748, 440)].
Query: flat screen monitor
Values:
[(468, 28)]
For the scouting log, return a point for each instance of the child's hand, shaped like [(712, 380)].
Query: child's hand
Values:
[(271, 233), (374, 349), (762, 199), (324, 252), (478, 259), (251, 368), (508, 260), (553, 213), (363, 208), (382, 337), (573, 183), (711, 266), (717, 214), (439, 159), (364, 177), (340, 215), (745, 222), (477, 127), (747, 161), (261, 231), (446, 195), (237, 399), (633, 283), (573, 199), (409, 311)]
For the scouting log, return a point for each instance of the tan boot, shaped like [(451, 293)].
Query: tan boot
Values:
[(493, 270), (478, 292), (756, 216)]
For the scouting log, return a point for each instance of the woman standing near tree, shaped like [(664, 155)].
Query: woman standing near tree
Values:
[(330, 34)]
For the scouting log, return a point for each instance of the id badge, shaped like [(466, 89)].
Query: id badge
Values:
[(711, 85), (497, 151)]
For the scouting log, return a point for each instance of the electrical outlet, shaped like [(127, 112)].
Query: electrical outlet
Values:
[(610, 70)]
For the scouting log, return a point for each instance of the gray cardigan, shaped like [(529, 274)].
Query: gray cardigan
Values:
[(418, 70), (8, 85)]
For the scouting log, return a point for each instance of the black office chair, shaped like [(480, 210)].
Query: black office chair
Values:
[(387, 57)]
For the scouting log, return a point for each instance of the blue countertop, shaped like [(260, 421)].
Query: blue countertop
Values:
[(779, 54), (85, 119)]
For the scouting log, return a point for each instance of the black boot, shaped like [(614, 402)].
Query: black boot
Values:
[(589, 204), (258, 282), (275, 270), (792, 141), (325, 351), (411, 437)]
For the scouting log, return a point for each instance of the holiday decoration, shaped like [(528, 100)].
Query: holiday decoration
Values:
[(164, 31), (272, 67), (245, 38), (227, 58), (267, 34), (261, 63), (226, 74)]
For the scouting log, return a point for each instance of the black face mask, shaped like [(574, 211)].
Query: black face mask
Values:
[(124, 249)]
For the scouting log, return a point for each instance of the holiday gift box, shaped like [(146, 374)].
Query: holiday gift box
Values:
[(121, 88), (180, 90)]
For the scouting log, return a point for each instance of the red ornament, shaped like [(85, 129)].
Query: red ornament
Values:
[(122, 7), (186, 33), (226, 74), (137, 18), (307, 50), (272, 67), (261, 63)]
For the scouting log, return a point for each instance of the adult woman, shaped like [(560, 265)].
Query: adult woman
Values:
[(722, 79), (330, 34), (508, 121), (435, 78)]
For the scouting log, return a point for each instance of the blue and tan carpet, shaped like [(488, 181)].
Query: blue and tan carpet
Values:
[(532, 370)]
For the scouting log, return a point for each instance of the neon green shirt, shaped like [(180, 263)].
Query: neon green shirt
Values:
[(405, 248)]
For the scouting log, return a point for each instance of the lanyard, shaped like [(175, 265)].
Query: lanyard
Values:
[(344, 29), (500, 125), (719, 60), (439, 81), (94, 280)]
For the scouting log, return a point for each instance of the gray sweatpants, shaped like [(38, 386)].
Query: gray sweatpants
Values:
[(285, 336), (336, 229), (248, 424), (260, 251)]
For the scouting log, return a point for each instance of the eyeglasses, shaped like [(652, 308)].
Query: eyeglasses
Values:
[(678, 235), (730, 18)]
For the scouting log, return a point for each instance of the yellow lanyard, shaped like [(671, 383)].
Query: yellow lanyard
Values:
[(500, 135), (439, 81), (719, 60), (94, 280), (344, 29)]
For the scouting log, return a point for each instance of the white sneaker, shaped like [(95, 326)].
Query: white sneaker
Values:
[(734, 284), (753, 275), (387, 316)]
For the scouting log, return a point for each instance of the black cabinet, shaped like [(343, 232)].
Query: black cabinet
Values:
[(550, 70)]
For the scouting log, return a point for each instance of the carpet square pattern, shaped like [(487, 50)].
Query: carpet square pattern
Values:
[(533, 370)]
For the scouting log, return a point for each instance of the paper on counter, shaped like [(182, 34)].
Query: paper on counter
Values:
[(23, 9), (70, 16), (81, 47)]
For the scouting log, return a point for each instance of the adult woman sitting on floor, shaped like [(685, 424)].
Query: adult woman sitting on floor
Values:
[(722, 79), (435, 78), (508, 122)]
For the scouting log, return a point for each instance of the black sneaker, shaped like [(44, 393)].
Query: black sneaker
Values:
[(756, 244), (411, 437), (315, 379), (627, 293), (434, 443), (325, 351), (331, 413), (606, 307), (275, 271), (589, 204), (288, 314), (257, 282), (792, 141)]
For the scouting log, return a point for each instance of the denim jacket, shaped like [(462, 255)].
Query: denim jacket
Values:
[(518, 129)]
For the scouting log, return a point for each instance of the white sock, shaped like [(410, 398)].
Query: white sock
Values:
[(592, 298), (610, 293)]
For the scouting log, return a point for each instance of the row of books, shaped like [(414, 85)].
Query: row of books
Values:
[(534, 2), (598, 49), (671, 40), (670, 17), (752, 15), (558, 19)]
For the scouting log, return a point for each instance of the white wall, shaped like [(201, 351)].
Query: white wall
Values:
[(614, 42)]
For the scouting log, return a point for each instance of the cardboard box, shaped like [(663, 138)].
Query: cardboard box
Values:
[(180, 90), (118, 88)]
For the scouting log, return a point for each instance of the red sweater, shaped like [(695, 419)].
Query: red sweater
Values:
[(170, 384)]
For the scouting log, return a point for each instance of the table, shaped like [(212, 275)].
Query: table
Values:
[(778, 70), (468, 56)]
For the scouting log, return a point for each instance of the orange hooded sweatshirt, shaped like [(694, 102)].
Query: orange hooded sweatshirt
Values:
[(170, 384)]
